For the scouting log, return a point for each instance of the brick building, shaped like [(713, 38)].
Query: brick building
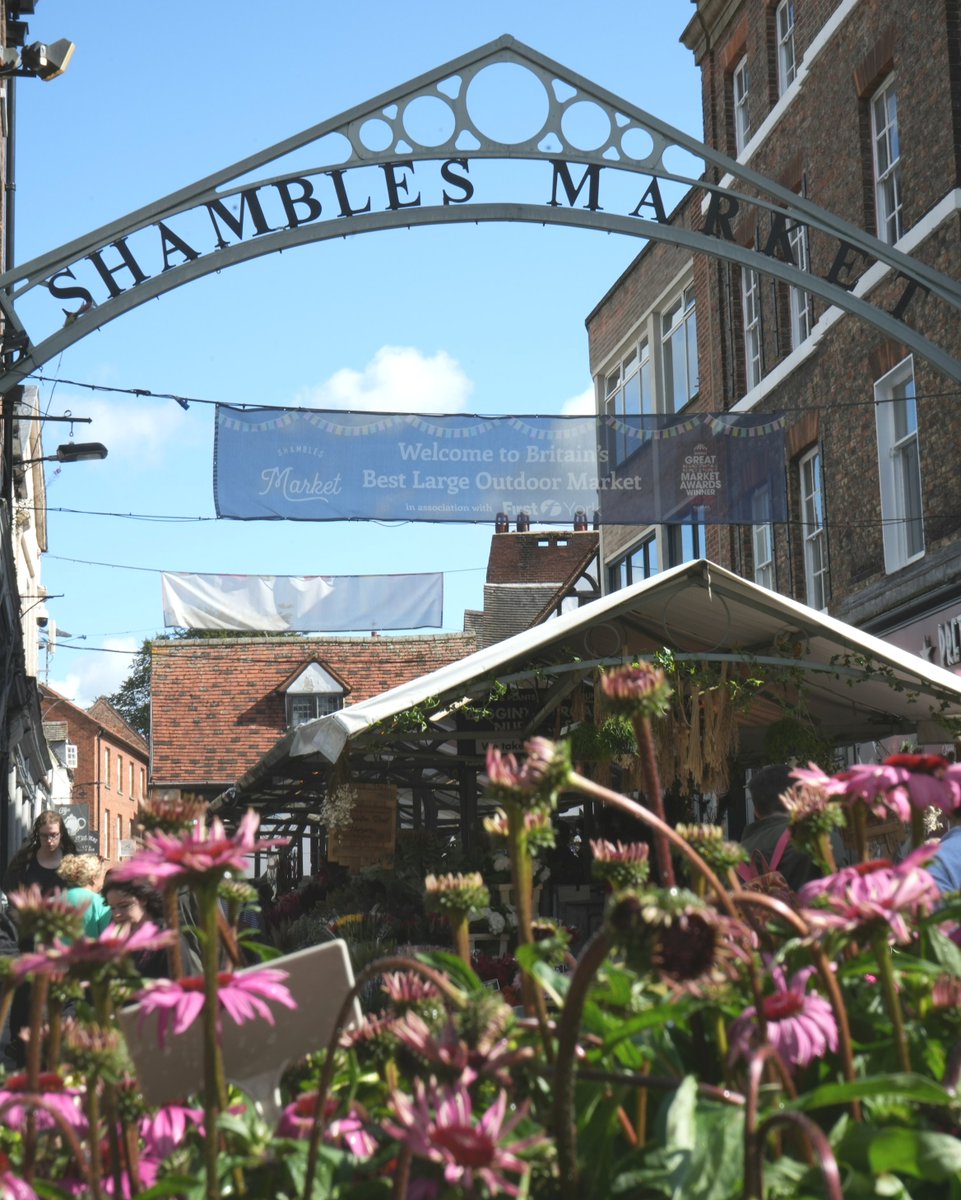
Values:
[(107, 763), (856, 105), (219, 704)]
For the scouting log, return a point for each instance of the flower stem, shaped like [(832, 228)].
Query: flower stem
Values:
[(460, 926), (644, 736), (828, 978), (172, 921), (615, 800), (565, 1130), (522, 877), (38, 1003), (371, 971), (885, 961), (215, 1088)]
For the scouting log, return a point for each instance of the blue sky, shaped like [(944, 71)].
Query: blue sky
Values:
[(486, 319)]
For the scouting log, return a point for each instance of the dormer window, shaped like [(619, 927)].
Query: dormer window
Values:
[(313, 692)]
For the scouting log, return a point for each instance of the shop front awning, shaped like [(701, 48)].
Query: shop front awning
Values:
[(429, 736)]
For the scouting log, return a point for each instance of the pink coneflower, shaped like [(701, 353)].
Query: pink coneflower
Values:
[(407, 988), (166, 1129), (52, 1090), (86, 956), (12, 1187), (178, 1003), (46, 918), (640, 690), (895, 786), (439, 1125), (492, 1055), (545, 771), (198, 854), (621, 864), (872, 895), (297, 1121), (800, 1024), (537, 826)]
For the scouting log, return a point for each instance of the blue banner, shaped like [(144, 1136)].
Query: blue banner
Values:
[(309, 465)]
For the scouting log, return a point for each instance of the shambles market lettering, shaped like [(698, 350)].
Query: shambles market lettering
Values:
[(285, 206)]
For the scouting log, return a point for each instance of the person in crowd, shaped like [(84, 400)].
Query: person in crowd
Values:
[(133, 902), (945, 867), (82, 875), (763, 837), (38, 859)]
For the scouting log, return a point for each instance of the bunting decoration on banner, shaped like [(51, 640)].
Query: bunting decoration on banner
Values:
[(297, 465), (302, 603)]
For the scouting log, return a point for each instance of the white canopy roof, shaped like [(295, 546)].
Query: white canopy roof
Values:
[(856, 687)]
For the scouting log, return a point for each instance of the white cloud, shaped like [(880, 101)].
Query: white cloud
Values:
[(581, 405), (133, 428), (397, 379), (89, 674)]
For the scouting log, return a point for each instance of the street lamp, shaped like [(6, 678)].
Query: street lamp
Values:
[(39, 60), (69, 452)]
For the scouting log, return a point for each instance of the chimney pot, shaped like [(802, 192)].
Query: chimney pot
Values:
[(523, 522)]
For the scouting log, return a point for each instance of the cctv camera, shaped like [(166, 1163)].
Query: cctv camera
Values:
[(42, 622)]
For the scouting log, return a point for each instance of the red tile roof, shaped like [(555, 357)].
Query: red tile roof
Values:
[(106, 715), (215, 707)]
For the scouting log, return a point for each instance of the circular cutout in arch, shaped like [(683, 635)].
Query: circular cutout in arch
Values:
[(429, 121), (375, 135), (507, 103), (586, 125)]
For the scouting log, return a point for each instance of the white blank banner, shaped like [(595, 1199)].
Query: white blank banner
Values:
[(303, 603)]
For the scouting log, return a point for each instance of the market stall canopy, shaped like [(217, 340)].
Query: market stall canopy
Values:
[(428, 736)]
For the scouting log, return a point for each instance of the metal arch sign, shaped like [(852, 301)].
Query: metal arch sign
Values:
[(418, 155)]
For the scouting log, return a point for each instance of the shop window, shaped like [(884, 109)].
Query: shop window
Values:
[(899, 464)]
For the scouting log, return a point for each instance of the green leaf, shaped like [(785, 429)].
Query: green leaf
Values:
[(919, 1153), (946, 952), (902, 1086), (454, 967)]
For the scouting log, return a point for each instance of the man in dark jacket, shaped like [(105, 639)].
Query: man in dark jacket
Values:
[(763, 837)]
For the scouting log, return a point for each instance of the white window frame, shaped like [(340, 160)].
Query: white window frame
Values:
[(751, 309), (786, 56), (679, 333), (740, 91), (640, 562), (687, 537), (886, 157), (762, 538), (629, 393), (800, 300), (816, 577), (899, 466)]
